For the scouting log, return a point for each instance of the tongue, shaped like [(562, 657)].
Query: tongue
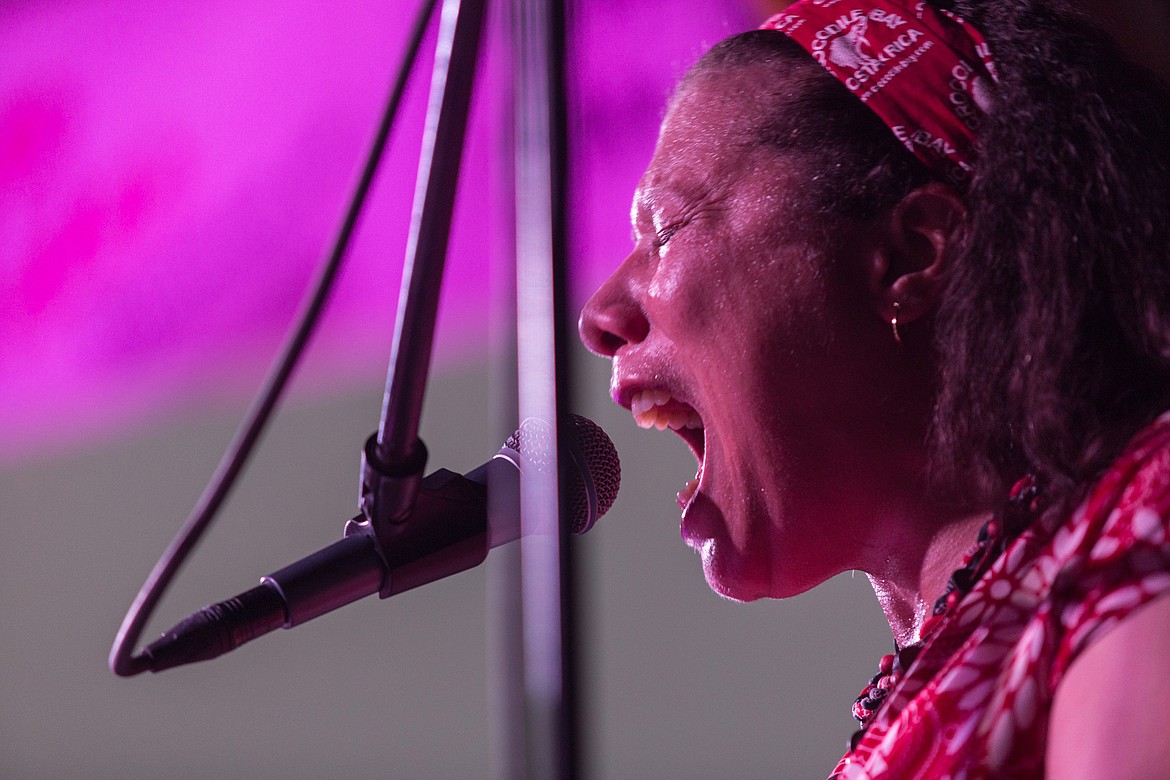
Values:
[(688, 492)]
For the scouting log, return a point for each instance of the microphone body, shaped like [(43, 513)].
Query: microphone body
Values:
[(451, 529)]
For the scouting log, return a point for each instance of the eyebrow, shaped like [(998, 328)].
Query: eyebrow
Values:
[(642, 200), (688, 188), (642, 206)]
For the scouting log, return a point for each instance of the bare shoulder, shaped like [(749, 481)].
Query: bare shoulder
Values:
[(1110, 711)]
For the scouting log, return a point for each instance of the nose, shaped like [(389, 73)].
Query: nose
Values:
[(613, 316)]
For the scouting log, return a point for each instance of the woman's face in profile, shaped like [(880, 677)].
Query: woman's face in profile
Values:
[(742, 320)]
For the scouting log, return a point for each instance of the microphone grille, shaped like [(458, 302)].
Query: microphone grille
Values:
[(593, 485), (599, 465)]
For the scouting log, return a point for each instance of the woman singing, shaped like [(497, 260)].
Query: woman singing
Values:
[(901, 282)]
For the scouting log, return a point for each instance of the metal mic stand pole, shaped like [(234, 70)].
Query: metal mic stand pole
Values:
[(550, 670)]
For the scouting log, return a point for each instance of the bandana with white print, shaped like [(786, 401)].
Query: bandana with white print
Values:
[(927, 73)]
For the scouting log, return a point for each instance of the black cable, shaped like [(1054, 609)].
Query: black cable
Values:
[(122, 661)]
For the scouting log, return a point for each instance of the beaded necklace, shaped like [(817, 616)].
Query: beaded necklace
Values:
[(1024, 503)]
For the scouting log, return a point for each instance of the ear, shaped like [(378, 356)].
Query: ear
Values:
[(910, 269)]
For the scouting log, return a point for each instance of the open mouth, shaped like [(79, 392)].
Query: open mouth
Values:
[(659, 409)]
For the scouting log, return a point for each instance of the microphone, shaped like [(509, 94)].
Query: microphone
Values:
[(451, 529)]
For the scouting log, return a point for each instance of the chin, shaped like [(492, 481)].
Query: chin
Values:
[(735, 574), (752, 573), (739, 572), (730, 575), (744, 585)]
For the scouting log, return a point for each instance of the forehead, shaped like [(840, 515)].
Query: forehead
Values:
[(707, 129), (728, 102), (711, 114), (710, 137)]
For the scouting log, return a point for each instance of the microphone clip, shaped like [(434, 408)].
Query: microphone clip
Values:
[(388, 488), (399, 512)]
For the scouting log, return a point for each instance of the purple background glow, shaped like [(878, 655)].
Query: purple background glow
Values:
[(170, 174)]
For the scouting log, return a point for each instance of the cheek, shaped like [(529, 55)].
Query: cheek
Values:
[(668, 289), (688, 293)]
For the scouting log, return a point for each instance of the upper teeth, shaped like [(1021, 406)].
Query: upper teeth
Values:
[(653, 408)]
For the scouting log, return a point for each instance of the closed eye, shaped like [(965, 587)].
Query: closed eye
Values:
[(662, 237)]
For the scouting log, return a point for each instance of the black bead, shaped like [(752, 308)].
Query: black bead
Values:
[(906, 657)]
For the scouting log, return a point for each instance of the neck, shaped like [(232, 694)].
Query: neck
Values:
[(912, 578)]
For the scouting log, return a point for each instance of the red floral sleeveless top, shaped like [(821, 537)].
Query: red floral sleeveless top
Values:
[(975, 702)]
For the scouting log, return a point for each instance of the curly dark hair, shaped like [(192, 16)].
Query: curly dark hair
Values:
[(1055, 328), (1054, 331)]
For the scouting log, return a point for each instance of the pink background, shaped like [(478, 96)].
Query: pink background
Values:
[(170, 174)]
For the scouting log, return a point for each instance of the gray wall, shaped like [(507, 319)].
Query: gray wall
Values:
[(680, 684)]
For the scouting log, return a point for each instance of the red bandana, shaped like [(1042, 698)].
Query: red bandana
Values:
[(926, 73)]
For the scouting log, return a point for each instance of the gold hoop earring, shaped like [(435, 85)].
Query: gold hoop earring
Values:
[(894, 323)]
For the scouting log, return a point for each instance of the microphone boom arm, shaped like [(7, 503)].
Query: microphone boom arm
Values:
[(452, 528), (456, 538)]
